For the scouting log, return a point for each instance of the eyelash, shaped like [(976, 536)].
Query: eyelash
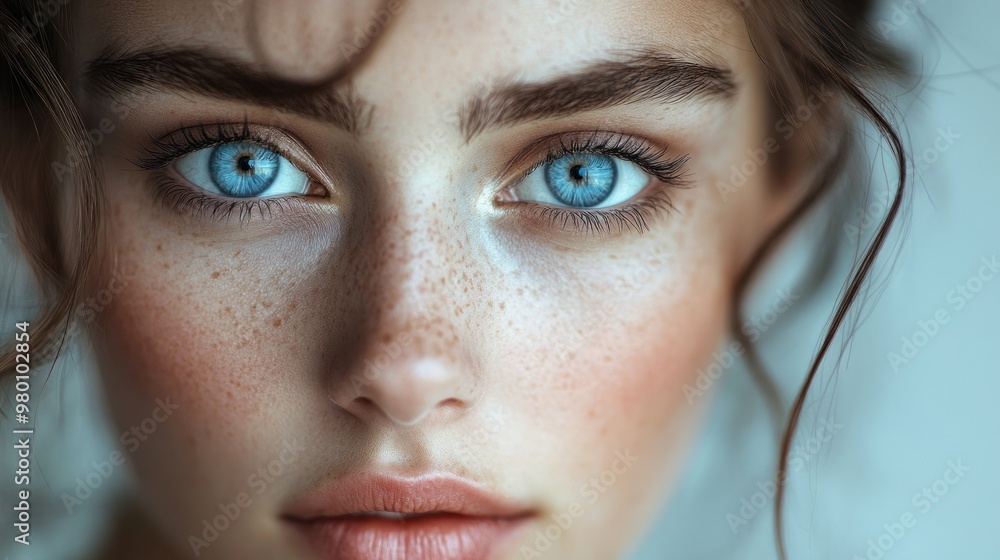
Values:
[(633, 216), (164, 151)]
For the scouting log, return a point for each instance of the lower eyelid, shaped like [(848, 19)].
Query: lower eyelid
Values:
[(194, 202)]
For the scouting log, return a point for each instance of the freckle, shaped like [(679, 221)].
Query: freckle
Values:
[(503, 305), (276, 323), (267, 304), (475, 168), (229, 309), (166, 266), (215, 274), (159, 247)]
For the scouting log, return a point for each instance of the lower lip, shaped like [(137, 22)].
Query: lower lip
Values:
[(429, 536)]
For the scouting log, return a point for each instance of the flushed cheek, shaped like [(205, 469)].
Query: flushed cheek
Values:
[(619, 392), (184, 330)]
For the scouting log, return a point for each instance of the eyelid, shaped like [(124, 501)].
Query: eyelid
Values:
[(549, 147), (166, 149), (668, 170)]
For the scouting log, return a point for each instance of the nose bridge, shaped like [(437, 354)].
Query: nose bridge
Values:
[(413, 276), (412, 360)]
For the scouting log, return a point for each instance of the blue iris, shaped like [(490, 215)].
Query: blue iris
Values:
[(581, 180), (243, 169)]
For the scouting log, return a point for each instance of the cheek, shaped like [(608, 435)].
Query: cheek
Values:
[(601, 368), (209, 326)]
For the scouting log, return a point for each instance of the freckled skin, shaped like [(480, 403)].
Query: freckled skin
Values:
[(262, 333)]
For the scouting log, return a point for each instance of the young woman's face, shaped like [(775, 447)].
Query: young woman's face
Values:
[(465, 284)]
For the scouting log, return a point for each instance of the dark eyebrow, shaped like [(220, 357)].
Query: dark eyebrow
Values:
[(117, 72), (633, 78)]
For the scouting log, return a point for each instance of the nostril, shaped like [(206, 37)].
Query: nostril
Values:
[(407, 390)]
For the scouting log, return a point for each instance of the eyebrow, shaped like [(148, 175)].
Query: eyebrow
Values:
[(636, 77), (118, 72)]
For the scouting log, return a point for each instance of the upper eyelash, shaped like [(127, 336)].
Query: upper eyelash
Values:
[(163, 151), (613, 144)]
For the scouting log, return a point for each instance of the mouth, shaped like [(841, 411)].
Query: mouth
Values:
[(384, 518)]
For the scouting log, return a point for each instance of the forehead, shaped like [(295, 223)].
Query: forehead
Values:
[(502, 38)]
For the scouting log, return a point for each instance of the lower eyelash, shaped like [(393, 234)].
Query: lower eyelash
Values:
[(186, 200), (632, 217)]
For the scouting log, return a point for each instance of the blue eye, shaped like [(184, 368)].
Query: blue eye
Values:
[(583, 180), (242, 170)]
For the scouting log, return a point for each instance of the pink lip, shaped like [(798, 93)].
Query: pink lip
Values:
[(445, 517)]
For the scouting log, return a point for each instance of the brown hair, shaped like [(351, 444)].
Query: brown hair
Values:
[(803, 44)]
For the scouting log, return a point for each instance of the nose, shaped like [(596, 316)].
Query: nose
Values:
[(411, 356), (406, 389)]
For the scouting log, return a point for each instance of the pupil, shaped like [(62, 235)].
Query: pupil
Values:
[(578, 173), (245, 164)]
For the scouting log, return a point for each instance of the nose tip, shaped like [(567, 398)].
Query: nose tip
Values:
[(406, 392)]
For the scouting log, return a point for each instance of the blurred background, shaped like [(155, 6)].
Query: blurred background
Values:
[(897, 451)]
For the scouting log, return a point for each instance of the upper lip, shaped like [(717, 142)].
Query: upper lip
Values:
[(432, 493)]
